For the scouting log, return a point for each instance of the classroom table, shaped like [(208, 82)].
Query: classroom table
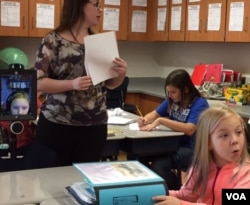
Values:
[(140, 143), (36, 185), (46, 186), (137, 144), (65, 200), (112, 146)]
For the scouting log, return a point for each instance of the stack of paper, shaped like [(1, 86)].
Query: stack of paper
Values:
[(118, 117), (116, 120), (100, 51), (81, 193)]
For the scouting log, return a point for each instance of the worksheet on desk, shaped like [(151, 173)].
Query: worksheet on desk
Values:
[(118, 117), (100, 51), (135, 126), (116, 120)]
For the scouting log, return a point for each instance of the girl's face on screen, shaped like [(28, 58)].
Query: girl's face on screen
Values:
[(19, 106)]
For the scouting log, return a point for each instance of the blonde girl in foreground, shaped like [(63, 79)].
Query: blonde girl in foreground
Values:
[(221, 160)]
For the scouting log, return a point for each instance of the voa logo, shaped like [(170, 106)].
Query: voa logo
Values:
[(229, 195), (236, 196)]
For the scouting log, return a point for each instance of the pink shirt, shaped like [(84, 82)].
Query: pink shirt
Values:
[(219, 178)]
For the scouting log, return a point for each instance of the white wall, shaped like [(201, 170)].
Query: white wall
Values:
[(166, 56), (157, 59)]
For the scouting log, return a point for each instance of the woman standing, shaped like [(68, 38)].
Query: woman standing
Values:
[(73, 119)]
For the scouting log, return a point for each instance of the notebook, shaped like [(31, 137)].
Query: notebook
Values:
[(214, 72)]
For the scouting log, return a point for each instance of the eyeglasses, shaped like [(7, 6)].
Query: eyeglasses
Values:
[(96, 4)]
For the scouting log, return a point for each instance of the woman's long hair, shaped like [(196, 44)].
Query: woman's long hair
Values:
[(71, 12)]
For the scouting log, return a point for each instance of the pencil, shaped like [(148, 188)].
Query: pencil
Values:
[(138, 110)]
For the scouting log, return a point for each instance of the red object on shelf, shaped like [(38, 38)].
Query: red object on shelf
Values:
[(214, 72), (198, 74)]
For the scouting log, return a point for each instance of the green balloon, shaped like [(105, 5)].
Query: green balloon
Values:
[(12, 55)]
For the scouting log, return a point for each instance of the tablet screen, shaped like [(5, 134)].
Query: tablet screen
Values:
[(18, 94)]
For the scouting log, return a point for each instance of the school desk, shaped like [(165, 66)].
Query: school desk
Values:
[(36, 185), (137, 143), (141, 143), (112, 146)]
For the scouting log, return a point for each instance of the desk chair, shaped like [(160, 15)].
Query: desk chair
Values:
[(181, 173), (116, 98)]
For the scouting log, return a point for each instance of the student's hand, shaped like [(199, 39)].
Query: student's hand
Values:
[(120, 66), (142, 121), (82, 83), (144, 124), (148, 127), (166, 200)]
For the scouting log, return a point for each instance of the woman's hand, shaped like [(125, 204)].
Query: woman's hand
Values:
[(166, 200), (82, 83), (120, 66)]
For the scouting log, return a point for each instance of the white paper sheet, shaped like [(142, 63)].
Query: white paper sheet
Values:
[(214, 17), (161, 19), (139, 21), (116, 120), (175, 18), (236, 16), (111, 19), (135, 126), (100, 50), (10, 14), (45, 15), (193, 17), (112, 2)]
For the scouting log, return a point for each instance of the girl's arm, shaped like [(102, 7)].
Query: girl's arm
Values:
[(145, 121), (187, 128)]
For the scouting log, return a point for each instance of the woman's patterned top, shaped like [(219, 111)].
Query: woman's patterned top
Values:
[(60, 59)]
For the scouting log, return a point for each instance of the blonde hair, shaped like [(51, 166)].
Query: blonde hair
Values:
[(207, 123), (16, 95)]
